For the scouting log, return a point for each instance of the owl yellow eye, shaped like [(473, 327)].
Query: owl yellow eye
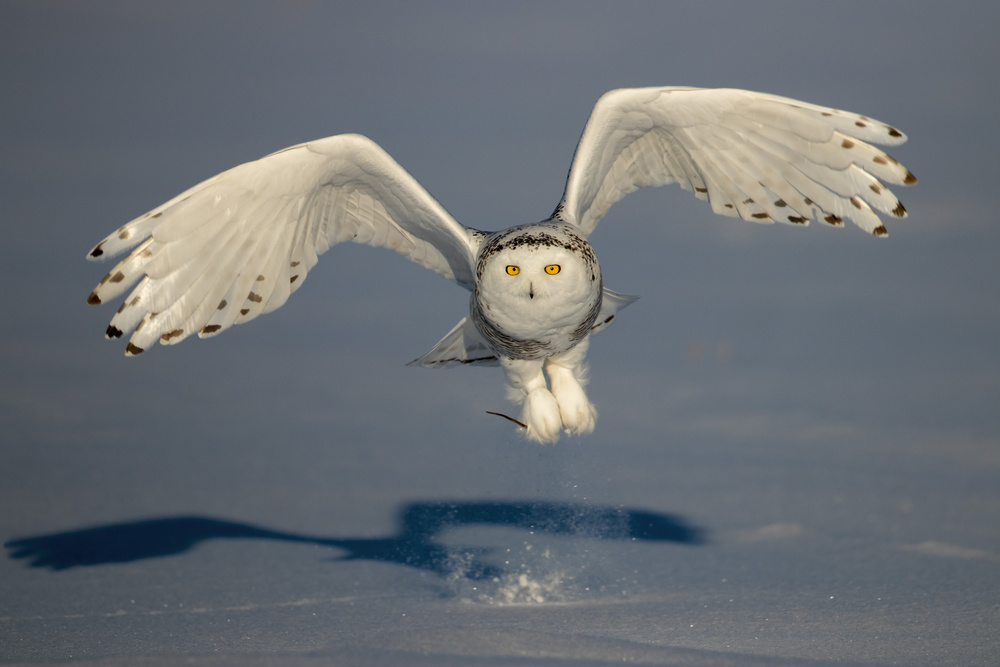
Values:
[(513, 270), (552, 269)]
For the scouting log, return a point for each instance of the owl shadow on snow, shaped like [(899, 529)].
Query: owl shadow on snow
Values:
[(416, 544)]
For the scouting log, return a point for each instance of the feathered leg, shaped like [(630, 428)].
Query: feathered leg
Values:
[(568, 376), (526, 386)]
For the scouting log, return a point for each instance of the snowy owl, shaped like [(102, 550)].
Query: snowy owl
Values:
[(238, 244)]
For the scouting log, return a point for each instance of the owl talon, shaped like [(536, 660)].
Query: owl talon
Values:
[(541, 414), (567, 375), (578, 414), (579, 419)]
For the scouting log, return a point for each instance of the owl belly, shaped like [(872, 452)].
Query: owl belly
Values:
[(537, 327)]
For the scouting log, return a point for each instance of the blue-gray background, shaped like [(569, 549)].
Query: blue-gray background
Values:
[(823, 406)]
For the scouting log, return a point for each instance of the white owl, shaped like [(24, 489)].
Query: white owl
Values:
[(238, 244)]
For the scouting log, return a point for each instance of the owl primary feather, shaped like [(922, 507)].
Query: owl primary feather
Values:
[(237, 245)]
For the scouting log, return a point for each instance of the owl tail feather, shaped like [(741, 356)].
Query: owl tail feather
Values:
[(611, 303), (462, 345)]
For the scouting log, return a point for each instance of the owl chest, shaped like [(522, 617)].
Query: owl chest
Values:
[(536, 326)]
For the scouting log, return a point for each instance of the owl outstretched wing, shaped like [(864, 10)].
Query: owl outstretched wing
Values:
[(237, 245), (761, 157)]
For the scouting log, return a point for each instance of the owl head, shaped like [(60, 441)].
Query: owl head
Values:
[(539, 266)]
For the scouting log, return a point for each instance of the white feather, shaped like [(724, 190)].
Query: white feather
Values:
[(239, 244), (732, 146), (282, 210)]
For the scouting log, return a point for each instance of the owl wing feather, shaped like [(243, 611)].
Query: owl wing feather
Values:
[(760, 157), (238, 244)]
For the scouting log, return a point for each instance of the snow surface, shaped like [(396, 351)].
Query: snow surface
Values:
[(797, 460)]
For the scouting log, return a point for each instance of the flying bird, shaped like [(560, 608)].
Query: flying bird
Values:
[(238, 244)]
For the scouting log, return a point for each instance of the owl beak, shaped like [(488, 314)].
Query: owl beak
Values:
[(531, 290)]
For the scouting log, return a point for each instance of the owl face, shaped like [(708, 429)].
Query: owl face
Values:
[(537, 281), (543, 273)]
